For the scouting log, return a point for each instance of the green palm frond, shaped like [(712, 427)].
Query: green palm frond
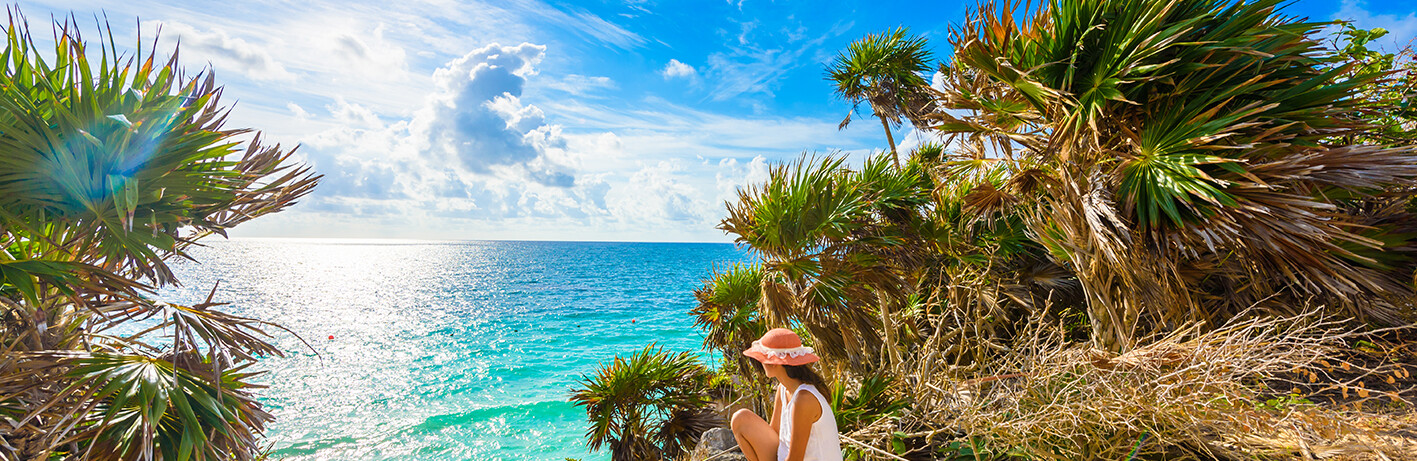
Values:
[(885, 70), (1177, 129), (143, 395), (113, 157), (110, 164), (801, 208), (728, 310), (646, 406), (881, 65)]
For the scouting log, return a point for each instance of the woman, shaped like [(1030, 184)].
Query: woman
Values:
[(803, 427)]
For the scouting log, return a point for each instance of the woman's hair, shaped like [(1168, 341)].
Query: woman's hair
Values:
[(804, 374)]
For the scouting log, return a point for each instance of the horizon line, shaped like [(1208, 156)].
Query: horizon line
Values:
[(418, 241)]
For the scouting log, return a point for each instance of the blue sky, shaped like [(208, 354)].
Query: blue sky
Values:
[(599, 120)]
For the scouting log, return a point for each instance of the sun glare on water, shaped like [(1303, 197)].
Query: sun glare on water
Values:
[(422, 350)]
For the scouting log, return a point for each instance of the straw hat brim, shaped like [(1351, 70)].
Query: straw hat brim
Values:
[(764, 358)]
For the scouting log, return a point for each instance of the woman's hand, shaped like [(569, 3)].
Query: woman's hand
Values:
[(804, 414)]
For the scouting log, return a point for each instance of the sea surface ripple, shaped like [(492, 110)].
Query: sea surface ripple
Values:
[(446, 351)]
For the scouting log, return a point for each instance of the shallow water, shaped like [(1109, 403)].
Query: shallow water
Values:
[(447, 351)]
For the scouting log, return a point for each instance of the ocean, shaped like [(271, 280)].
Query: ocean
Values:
[(446, 351)]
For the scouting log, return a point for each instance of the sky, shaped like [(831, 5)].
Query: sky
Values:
[(626, 120)]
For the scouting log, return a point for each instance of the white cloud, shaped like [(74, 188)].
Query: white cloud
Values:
[(589, 25), (676, 69), (224, 52), (1401, 29), (656, 128), (733, 175), (298, 111), (581, 85), (755, 66), (477, 161), (477, 120), (659, 192), (370, 55), (477, 154), (353, 115)]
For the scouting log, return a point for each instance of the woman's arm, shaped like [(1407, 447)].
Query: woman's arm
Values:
[(806, 412), (777, 398)]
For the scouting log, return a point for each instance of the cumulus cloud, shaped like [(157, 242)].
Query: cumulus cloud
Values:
[(478, 120), (474, 150), (676, 69), (733, 175), (477, 159), (225, 52)]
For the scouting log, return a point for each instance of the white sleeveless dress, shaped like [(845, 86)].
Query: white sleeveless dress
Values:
[(824, 443)]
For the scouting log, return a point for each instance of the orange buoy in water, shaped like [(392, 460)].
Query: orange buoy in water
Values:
[(632, 320), (332, 336)]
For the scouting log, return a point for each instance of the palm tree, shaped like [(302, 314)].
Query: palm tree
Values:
[(651, 406), (884, 70), (830, 239), (728, 311), (877, 262), (1186, 159), (108, 169)]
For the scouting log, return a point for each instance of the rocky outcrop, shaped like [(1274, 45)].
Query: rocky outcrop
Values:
[(717, 444)]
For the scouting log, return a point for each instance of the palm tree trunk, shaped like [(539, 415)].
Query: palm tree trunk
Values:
[(888, 327), (890, 138)]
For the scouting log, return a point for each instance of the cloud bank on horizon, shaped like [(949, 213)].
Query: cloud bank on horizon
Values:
[(613, 120)]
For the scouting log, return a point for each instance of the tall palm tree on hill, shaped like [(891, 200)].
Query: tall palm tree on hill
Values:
[(886, 71), (1188, 159)]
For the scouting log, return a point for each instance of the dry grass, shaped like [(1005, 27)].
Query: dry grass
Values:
[(1238, 392)]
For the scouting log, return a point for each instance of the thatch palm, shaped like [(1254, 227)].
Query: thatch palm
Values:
[(880, 260), (884, 70), (1187, 159), (650, 406), (107, 169), (728, 312), (830, 238)]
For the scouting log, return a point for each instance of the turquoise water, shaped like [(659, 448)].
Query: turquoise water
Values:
[(447, 351)]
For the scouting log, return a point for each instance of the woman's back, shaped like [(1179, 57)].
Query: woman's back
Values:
[(824, 444)]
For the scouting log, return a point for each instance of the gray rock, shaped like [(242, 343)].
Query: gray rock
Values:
[(717, 444)]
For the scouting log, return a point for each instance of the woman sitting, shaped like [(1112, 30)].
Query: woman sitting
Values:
[(803, 427)]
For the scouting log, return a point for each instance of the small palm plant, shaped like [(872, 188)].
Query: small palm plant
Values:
[(886, 71), (650, 406), (109, 168), (728, 312)]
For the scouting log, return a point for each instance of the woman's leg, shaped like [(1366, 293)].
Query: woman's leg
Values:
[(755, 436)]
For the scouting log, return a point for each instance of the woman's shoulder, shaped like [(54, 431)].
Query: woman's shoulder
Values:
[(804, 387)]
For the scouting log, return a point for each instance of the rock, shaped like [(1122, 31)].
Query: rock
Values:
[(717, 444)]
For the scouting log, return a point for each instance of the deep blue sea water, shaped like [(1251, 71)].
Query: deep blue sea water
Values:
[(447, 351)]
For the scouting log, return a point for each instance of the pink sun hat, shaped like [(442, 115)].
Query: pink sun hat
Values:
[(781, 346)]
